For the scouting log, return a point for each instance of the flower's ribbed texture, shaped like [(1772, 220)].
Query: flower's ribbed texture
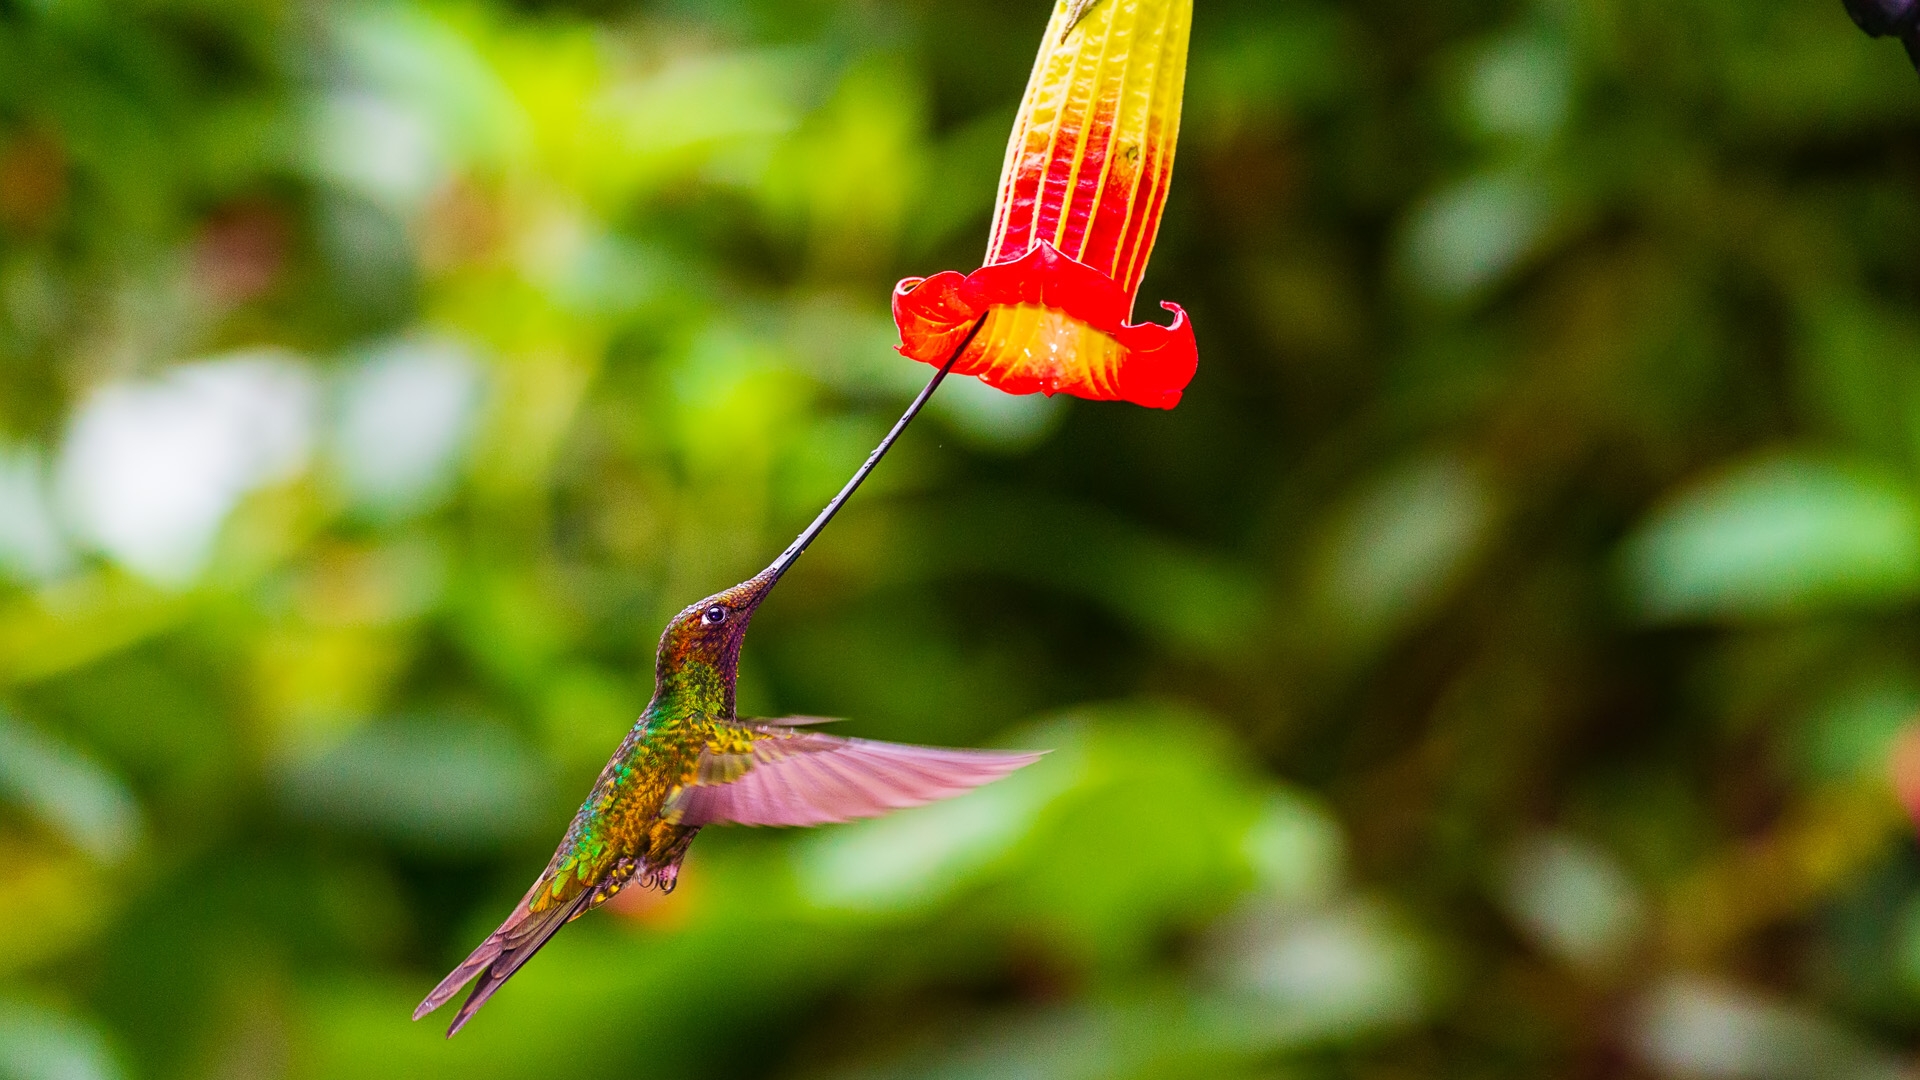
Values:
[(1088, 164), (1081, 195)]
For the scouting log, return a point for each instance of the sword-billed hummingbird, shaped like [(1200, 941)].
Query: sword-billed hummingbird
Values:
[(689, 762)]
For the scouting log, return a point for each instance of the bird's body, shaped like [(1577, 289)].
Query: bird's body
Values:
[(624, 829)]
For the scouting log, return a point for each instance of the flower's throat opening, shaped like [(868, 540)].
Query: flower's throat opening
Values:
[(1025, 348)]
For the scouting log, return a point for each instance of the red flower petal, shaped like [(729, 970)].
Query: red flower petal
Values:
[(1054, 326)]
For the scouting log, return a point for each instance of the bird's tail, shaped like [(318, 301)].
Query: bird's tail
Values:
[(498, 957)]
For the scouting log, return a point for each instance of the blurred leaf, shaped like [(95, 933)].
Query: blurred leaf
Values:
[(1106, 869), (1520, 86), (79, 621), (1849, 736), (38, 1043), (1695, 1028), (1292, 984), (89, 806), (1573, 899), (1293, 980), (1296, 850), (53, 902), (1775, 536), (436, 785), (1464, 238), (32, 546), (846, 176), (1399, 545), (720, 112)]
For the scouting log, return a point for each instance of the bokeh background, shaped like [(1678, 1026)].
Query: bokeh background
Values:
[(1490, 670)]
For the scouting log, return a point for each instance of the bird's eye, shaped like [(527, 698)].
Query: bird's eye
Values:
[(714, 615)]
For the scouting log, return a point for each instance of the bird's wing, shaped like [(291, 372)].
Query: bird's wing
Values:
[(763, 774)]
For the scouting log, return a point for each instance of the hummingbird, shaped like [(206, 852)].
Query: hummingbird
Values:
[(1890, 18), (689, 762)]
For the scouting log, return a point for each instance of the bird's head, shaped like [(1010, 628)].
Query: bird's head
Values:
[(706, 637)]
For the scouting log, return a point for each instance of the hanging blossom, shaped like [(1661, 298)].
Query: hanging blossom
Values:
[(1081, 194)]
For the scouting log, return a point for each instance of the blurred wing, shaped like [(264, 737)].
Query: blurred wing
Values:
[(788, 777)]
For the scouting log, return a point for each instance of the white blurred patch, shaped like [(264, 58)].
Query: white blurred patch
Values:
[(39, 1043), (379, 148), (414, 103), (1465, 238), (404, 418), (1306, 976), (1693, 1028), (151, 468), (430, 66), (1572, 900), (31, 546)]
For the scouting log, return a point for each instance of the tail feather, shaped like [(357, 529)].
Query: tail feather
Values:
[(498, 957)]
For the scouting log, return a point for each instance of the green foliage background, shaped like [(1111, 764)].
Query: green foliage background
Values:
[(1490, 670)]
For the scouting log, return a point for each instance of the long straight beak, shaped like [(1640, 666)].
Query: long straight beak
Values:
[(771, 575)]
